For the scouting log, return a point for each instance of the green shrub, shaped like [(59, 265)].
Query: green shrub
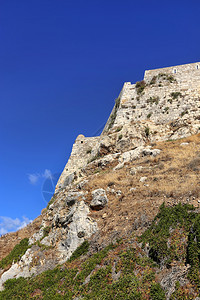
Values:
[(147, 131), (157, 292), (183, 113), (140, 86), (152, 100), (51, 201), (149, 115), (175, 95), (157, 235), (170, 101), (81, 250)]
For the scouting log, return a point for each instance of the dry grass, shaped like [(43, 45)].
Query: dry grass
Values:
[(172, 176), (8, 241), (169, 179)]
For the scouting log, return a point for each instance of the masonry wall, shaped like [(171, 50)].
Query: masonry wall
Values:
[(158, 102), (83, 150), (187, 75)]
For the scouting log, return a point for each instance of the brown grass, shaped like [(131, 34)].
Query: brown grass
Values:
[(172, 177)]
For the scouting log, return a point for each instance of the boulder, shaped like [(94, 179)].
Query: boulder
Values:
[(99, 199)]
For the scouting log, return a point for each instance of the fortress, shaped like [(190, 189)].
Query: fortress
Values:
[(109, 192), (167, 102), (168, 94)]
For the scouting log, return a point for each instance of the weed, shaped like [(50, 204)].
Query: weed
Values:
[(149, 115), (89, 151), (176, 95), (147, 131), (140, 86)]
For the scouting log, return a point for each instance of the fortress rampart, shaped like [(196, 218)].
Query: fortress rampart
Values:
[(164, 96), (168, 94)]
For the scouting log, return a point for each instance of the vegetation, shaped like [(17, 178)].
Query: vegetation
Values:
[(175, 95), (118, 129), (152, 100), (149, 115), (15, 255), (51, 201), (67, 282), (184, 112), (140, 86), (147, 131), (162, 76), (82, 249), (46, 231), (174, 236), (174, 223), (89, 151)]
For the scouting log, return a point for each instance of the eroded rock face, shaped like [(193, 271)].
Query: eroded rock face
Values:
[(68, 226), (80, 228), (99, 199)]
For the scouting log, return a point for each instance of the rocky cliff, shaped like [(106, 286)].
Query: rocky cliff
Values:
[(108, 195)]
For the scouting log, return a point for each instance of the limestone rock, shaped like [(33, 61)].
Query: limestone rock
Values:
[(143, 179), (99, 199), (80, 228), (176, 274)]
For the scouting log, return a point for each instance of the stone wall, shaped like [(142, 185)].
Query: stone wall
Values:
[(168, 97), (83, 150), (187, 75)]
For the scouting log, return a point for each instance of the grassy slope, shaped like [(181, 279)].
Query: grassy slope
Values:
[(173, 238)]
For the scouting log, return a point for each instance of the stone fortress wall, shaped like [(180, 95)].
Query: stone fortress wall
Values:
[(184, 74), (163, 99), (169, 94), (83, 150)]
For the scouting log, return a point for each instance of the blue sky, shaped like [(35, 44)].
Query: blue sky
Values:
[(62, 64)]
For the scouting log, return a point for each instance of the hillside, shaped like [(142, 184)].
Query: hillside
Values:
[(124, 220)]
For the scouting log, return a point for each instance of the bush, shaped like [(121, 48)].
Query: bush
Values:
[(157, 292), (149, 115), (140, 86), (175, 95), (82, 249)]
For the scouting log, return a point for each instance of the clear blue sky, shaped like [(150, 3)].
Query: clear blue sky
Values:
[(62, 64)]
